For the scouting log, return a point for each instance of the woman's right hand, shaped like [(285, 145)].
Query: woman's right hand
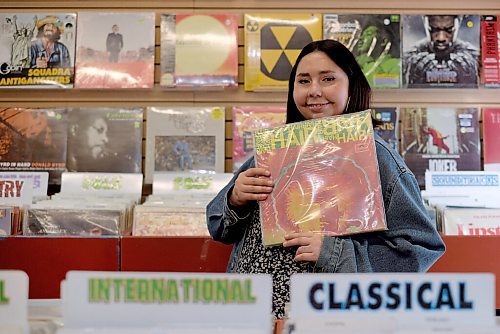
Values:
[(254, 184)]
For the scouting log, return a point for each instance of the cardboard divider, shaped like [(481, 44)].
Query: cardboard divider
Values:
[(466, 254), (46, 260), (174, 254)]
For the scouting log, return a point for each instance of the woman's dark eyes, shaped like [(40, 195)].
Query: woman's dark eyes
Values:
[(306, 81)]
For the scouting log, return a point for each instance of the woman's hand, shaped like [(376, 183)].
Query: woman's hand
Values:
[(254, 184), (309, 245)]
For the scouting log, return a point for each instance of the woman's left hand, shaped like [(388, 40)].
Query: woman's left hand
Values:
[(309, 245)]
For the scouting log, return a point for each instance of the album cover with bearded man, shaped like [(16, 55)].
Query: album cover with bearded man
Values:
[(326, 178), (105, 140), (37, 49)]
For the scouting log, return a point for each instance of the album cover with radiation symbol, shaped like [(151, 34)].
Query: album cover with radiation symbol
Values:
[(272, 44)]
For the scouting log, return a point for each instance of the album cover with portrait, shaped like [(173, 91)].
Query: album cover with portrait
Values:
[(491, 139), (440, 139), (199, 50), (247, 119), (490, 50), (374, 39), (34, 140), (337, 153), (115, 50), (26, 60), (388, 127), (184, 139), (272, 44), (105, 140), (441, 51)]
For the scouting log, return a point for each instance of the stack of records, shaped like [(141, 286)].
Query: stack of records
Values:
[(10, 220), (178, 204), (76, 215)]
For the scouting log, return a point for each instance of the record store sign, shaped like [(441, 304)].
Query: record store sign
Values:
[(15, 191), (418, 300), (132, 299)]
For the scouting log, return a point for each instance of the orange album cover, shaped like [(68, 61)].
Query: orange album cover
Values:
[(326, 177)]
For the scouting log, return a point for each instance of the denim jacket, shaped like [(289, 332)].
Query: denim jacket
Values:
[(410, 243)]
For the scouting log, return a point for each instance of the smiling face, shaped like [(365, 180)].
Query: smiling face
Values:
[(321, 87), (49, 30)]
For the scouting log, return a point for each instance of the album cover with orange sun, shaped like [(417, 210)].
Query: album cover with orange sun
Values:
[(326, 178), (199, 50)]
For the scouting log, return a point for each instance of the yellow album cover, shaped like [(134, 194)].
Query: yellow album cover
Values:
[(273, 43)]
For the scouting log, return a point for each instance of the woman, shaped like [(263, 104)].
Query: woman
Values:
[(325, 81)]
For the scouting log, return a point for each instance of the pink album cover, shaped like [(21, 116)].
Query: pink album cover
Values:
[(245, 121), (326, 177)]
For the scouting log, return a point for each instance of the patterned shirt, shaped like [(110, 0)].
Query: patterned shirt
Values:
[(276, 261)]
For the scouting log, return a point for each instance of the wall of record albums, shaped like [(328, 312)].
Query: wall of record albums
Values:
[(120, 91), (156, 86)]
